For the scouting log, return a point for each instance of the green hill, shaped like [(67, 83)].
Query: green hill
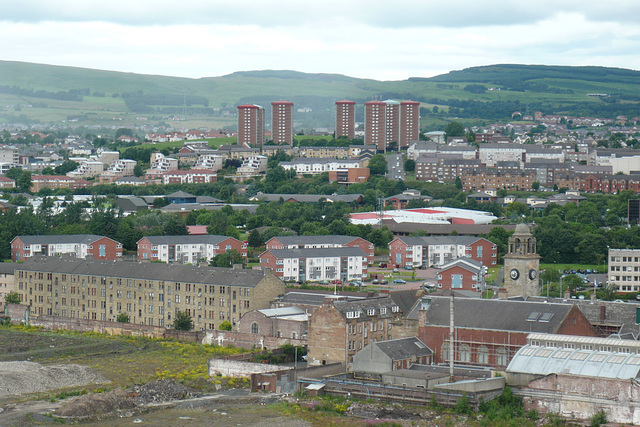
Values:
[(40, 93)]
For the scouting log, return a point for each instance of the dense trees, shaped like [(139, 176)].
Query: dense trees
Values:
[(182, 321)]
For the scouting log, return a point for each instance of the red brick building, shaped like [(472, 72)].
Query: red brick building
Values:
[(345, 119), (490, 332), (76, 245), (409, 123), (462, 274), (250, 125), (282, 122), (349, 176), (439, 250), (38, 182)]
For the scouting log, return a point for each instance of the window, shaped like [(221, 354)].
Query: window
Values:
[(483, 355), (456, 281), (103, 250), (445, 352), (501, 356), (465, 353), (255, 328)]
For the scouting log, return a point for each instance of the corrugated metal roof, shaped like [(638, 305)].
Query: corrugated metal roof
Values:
[(633, 345), (600, 364)]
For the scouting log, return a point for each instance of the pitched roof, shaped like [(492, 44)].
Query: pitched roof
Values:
[(282, 312), (294, 297), (318, 240), (146, 271), (188, 239), (497, 314), (316, 252), (179, 194), (552, 360), (405, 299), (52, 239), (310, 198), (363, 306), (403, 348)]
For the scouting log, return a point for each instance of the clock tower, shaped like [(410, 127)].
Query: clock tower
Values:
[(522, 263)]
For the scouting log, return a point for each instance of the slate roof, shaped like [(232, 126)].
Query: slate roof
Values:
[(439, 240), (466, 263), (405, 299), (403, 348), (361, 306), (52, 239), (146, 271), (310, 198), (497, 314), (320, 240), (316, 252), (188, 239), (179, 195), (8, 267), (294, 297)]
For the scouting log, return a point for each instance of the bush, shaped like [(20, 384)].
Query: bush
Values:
[(599, 418), (225, 326), (463, 406)]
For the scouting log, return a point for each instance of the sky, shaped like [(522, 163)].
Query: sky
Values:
[(381, 40)]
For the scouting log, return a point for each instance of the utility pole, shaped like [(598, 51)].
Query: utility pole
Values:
[(451, 337)]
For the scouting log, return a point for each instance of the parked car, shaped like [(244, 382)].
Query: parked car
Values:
[(399, 281), (396, 270), (375, 281), (382, 265), (408, 267), (383, 282)]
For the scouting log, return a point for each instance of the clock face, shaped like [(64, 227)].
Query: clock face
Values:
[(514, 274), (533, 274)]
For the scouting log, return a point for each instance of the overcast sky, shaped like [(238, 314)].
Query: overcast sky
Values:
[(382, 40)]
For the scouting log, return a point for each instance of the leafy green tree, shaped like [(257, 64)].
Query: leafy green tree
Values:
[(182, 321), (535, 185), (378, 165), (409, 165), (255, 240), (123, 318), (227, 259), (66, 166), (454, 128), (458, 183), (13, 173), (225, 326), (12, 298), (24, 182), (138, 170)]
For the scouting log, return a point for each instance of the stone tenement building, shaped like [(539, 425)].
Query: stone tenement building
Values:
[(149, 293), (339, 329)]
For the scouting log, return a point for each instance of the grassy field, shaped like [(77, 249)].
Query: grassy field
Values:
[(123, 360)]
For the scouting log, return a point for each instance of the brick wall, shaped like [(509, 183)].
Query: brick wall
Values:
[(239, 339)]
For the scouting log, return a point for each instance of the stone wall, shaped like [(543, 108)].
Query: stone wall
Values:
[(239, 339), (239, 368)]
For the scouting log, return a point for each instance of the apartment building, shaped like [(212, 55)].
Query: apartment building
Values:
[(349, 175), (250, 125), (210, 162), (462, 274), (329, 241), (436, 251), (188, 249), (119, 169), (316, 264), (38, 182), (191, 176), (282, 122), (75, 245), (624, 269), (409, 123), (150, 293), (443, 169), (345, 118), (480, 178), (338, 329), (304, 166)]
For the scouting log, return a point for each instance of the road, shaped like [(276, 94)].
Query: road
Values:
[(395, 167)]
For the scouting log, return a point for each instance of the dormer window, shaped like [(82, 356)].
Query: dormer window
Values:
[(371, 311), (395, 308), (383, 310)]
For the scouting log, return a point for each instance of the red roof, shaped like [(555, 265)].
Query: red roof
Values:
[(410, 103), (345, 101), (282, 103), (375, 103), (244, 106)]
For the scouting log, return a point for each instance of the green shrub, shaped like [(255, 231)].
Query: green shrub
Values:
[(599, 418)]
